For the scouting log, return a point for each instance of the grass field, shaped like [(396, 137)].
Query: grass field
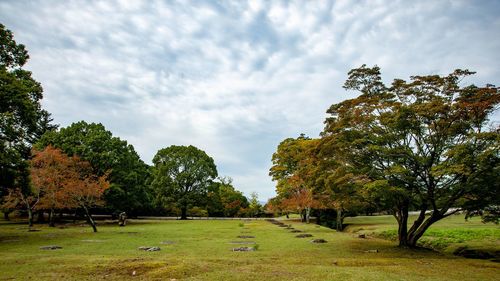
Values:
[(201, 250), (446, 235)]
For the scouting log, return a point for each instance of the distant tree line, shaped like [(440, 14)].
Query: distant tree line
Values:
[(84, 169), (425, 145)]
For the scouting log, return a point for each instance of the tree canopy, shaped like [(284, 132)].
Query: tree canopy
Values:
[(422, 144), (93, 143), (181, 175), (22, 119)]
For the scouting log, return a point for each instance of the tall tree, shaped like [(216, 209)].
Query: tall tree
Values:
[(22, 119), (293, 169), (93, 143), (182, 175), (423, 144)]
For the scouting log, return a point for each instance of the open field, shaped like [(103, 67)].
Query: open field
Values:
[(201, 250)]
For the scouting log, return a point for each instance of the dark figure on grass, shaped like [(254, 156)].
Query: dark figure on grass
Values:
[(122, 219)]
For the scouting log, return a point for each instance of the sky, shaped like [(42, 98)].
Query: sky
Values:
[(235, 78)]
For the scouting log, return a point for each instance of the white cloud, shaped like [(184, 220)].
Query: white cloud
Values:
[(236, 78)]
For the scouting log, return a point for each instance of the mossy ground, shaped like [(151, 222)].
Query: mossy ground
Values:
[(201, 250)]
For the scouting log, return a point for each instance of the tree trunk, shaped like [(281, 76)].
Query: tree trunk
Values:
[(417, 234), (90, 220), (307, 214), (6, 215), (339, 220), (402, 217), (30, 217), (184, 213), (51, 218)]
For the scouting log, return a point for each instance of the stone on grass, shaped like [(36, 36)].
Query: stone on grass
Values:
[(245, 236), (296, 231), (244, 249), (304, 235), (371, 251), (318, 241), (51, 247), (149, 248)]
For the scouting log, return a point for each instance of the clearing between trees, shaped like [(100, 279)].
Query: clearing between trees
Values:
[(212, 250)]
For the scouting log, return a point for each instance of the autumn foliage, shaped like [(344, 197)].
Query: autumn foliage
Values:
[(65, 182)]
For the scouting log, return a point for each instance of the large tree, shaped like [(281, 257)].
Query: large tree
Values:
[(22, 119), (423, 144), (182, 174), (93, 143)]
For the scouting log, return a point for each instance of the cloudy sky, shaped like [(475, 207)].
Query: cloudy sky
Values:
[(235, 78)]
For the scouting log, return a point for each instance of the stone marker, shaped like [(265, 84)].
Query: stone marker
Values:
[(296, 231), (244, 249), (149, 249), (122, 219), (52, 247), (304, 235), (319, 241), (371, 251)]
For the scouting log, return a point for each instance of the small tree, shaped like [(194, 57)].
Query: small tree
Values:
[(66, 182)]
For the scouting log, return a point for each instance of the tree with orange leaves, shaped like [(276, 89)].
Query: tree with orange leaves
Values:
[(66, 183)]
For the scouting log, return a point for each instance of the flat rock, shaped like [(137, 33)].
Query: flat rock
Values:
[(245, 236), (244, 249), (51, 247), (296, 231), (371, 251), (319, 241), (304, 235), (149, 248)]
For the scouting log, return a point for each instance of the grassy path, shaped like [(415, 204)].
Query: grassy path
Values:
[(201, 250)]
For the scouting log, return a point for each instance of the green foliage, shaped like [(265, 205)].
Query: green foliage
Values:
[(223, 200), (182, 175), (254, 206), (22, 119), (93, 143), (422, 144)]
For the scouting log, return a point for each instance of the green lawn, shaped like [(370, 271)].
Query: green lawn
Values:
[(200, 250), (446, 235)]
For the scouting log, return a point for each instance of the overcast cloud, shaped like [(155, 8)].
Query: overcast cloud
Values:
[(236, 78)]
